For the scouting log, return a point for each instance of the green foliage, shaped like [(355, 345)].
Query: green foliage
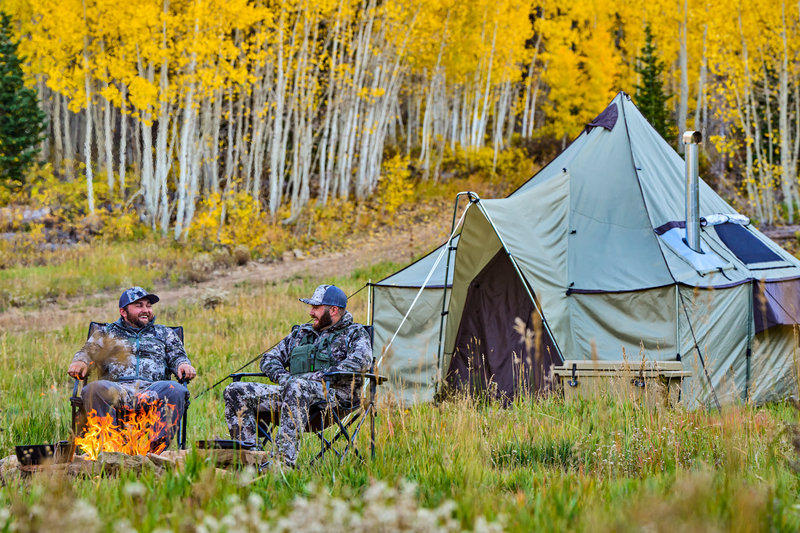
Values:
[(22, 123), (651, 98), (396, 187)]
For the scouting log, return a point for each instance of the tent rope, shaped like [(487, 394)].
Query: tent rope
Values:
[(696, 347), (422, 288)]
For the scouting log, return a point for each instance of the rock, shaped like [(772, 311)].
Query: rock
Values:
[(177, 456), (221, 472), (162, 462), (298, 253), (233, 458), (82, 467), (114, 462), (43, 469), (287, 257), (9, 463), (9, 471)]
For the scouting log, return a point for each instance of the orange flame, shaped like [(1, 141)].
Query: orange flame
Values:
[(132, 436)]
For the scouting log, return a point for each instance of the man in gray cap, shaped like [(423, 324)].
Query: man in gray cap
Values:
[(331, 342), (134, 357)]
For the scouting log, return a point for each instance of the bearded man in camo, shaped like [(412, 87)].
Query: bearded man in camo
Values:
[(133, 357), (332, 342)]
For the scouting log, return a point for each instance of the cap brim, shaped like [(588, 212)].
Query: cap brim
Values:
[(152, 298), (308, 301)]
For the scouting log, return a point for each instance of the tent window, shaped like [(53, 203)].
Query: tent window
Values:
[(704, 263), (745, 245)]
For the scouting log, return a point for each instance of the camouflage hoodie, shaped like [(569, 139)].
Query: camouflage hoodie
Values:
[(121, 352), (351, 351)]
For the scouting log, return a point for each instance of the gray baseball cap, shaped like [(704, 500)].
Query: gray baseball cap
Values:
[(135, 293), (327, 295)]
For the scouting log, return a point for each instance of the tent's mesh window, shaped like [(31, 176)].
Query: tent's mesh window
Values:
[(745, 245)]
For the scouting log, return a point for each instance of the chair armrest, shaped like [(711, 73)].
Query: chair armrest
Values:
[(83, 382), (378, 379), (239, 375)]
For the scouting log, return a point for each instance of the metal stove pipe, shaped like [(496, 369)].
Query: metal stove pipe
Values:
[(692, 139)]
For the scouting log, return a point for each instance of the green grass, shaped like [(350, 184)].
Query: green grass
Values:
[(537, 466)]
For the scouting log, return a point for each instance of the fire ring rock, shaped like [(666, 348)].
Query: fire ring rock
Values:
[(115, 462), (233, 458), (162, 462)]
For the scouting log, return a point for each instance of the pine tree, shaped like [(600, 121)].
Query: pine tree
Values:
[(651, 99), (22, 123)]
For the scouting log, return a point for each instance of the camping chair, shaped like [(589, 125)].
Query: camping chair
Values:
[(325, 413), (79, 415)]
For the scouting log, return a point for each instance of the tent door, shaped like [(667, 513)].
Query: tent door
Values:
[(488, 347)]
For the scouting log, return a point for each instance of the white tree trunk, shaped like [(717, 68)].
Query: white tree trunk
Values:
[(683, 61), (57, 140), (123, 138)]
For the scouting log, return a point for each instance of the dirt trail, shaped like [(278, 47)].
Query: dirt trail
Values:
[(390, 244)]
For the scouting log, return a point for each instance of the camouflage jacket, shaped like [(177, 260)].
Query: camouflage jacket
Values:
[(351, 350), (123, 353)]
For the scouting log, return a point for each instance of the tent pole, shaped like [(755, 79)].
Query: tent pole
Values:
[(677, 323), (472, 199), (749, 349), (524, 281), (369, 301)]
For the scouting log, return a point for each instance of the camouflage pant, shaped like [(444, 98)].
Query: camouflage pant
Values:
[(244, 402)]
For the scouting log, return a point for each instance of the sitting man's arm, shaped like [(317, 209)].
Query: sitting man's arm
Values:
[(275, 361), (177, 360), (83, 360), (359, 354)]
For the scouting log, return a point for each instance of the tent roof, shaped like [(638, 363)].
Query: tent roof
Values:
[(624, 181)]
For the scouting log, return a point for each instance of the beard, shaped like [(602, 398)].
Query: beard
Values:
[(137, 322), (324, 321)]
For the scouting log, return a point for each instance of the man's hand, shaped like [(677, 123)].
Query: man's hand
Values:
[(187, 372), (78, 370)]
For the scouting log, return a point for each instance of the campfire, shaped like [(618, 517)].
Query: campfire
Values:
[(131, 436)]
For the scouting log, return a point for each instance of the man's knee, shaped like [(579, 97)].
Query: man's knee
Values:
[(300, 391), (105, 391), (236, 394), (171, 392)]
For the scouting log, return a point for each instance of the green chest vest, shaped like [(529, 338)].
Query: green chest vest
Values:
[(309, 357)]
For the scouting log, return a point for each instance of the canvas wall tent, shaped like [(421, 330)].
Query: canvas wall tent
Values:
[(596, 238)]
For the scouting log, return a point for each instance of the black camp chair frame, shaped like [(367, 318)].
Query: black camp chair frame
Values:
[(79, 411), (326, 413)]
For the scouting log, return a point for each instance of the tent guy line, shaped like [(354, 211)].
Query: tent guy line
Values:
[(699, 353), (422, 288)]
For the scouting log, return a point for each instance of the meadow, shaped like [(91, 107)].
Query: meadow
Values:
[(538, 465)]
